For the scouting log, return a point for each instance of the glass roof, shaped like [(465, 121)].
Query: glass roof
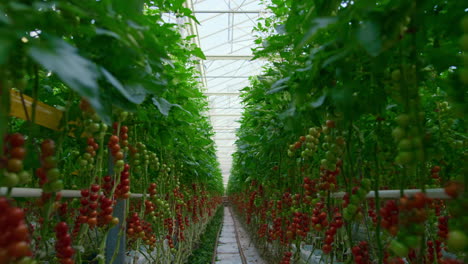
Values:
[(225, 36)]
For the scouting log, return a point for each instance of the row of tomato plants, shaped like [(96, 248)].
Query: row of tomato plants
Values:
[(132, 121), (162, 226), (352, 228), (357, 96)]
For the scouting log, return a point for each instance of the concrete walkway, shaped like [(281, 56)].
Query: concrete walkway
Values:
[(228, 250)]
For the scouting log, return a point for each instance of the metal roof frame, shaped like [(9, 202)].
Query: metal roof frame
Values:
[(222, 81)]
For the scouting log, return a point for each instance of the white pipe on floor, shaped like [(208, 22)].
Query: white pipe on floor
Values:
[(36, 192), (437, 193)]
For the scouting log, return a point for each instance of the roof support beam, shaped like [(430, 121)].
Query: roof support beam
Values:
[(230, 12), (222, 94), (193, 30), (229, 57), (228, 77), (231, 115)]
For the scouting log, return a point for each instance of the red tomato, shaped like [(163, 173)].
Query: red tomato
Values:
[(15, 165), (18, 153), (19, 249), (16, 140), (326, 248)]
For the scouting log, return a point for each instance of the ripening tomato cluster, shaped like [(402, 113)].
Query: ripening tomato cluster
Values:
[(319, 217), (289, 219), (105, 215), (361, 253), (330, 234), (14, 233), (123, 133), (63, 244), (12, 161), (89, 206), (169, 225), (351, 203), (134, 227), (123, 188), (389, 214), (91, 147), (49, 175), (286, 257), (116, 152)]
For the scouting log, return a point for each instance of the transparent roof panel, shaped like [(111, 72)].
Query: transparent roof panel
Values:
[(225, 34)]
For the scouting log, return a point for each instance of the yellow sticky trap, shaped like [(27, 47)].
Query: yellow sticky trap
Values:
[(46, 116)]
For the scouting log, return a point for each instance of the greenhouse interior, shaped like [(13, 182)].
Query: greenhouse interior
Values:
[(233, 132)]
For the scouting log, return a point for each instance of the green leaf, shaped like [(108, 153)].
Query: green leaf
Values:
[(133, 93), (4, 18), (319, 101), (279, 85), (105, 32), (199, 53), (317, 24), (6, 43), (369, 37), (77, 72), (164, 106)]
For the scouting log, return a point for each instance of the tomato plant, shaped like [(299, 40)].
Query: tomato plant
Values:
[(358, 96), (132, 121)]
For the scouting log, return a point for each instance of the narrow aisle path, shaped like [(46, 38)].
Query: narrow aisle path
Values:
[(232, 236)]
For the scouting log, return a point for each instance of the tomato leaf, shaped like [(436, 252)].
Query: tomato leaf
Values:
[(133, 93), (369, 37), (165, 106), (74, 70), (199, 53), (279, 85)]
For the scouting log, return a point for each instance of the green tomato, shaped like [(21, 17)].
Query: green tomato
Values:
[(87, 156), (24, 177), (464, 24), (119, 164), (405, 145), (464, 75), (464, 42), (94, 127), (398, 133), (403, 120), (95, 117), (362, 192), (354, 199), (56, 186), (83, 163), (396, 75), (457, 240), (346, 214), (330, 155), (10, 179), (352, 209), (398, 248), (331, 166), (53, 174), (123, 115), (412, 241), (404, 158), (366, 184), (26, 260)]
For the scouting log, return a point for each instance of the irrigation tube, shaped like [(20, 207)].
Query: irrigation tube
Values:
[(37, 192), (437, 193)]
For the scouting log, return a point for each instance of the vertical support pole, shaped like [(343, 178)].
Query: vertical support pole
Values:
[(113, 241), (113, 237)]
